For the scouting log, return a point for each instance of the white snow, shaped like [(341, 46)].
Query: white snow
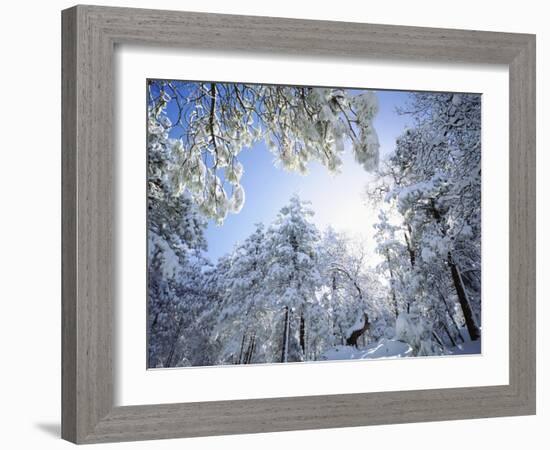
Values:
[(390, 348), (384, 348), (467, 348)]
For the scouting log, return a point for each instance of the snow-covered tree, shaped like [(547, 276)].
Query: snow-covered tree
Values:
[(175, 245), (213, 122), (432, 183), (175, 296), (289, 292), (243, 323), (348, 291), (292, 278)]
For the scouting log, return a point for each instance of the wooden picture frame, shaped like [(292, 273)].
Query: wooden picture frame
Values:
[(90, 34)]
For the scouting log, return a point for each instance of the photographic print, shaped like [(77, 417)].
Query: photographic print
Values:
[(303, 224)]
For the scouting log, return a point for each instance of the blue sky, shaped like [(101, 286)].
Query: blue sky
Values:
[(337, 200)]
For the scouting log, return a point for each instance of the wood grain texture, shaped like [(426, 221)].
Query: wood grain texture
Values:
[(89, 36), (68, 227)]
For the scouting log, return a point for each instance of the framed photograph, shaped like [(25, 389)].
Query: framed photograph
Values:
[(278, 224)]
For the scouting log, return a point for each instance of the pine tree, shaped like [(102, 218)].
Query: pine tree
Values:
[(243, 323), (293, 277), (433, 181), (176, 242)]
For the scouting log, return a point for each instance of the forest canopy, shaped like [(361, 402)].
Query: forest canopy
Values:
[(211, 123), (291, 291)]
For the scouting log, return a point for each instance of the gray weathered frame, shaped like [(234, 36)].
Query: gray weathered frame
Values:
[(89, 36)]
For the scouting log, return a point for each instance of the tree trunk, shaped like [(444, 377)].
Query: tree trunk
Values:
[(284, 353), (471, 325), (151, 332), (303, 334), (438, 339), (451, 316), (356, 334), (250, 349), (449, 335), (412, 256), (174, 343), (240, 360), (392, 286)]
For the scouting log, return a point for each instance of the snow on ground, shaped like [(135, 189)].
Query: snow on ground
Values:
[(390, 348), (468, 348), (384, 348)]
